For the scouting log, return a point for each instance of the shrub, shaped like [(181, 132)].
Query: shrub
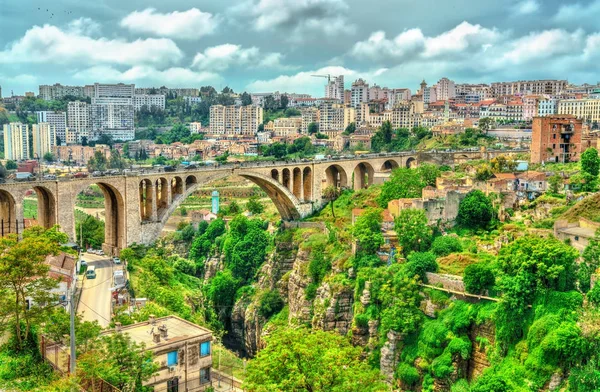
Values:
[(443, 246), (409, 375), (594, 295), (311, 291), (361, 320), (489, 382), (185, 266), (270, 303), (478, 278), (419, 263), (475, 210)]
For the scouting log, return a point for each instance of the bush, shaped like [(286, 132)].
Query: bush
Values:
[(443, 246), (270, 303), (419, 263), (185, 266), (361, 320), (409, 375), (478, 278), (311, 291), (594, 295), (475, 211), (489, 382)]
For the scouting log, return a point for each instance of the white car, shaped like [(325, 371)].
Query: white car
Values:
[(100, 252), (116, 260)]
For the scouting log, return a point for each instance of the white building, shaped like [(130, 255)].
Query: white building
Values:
[(196, 127), (445, 89), (58, 91), (148, 100), (44, 139), (114, 117), (335, 88), (58, 120), (360, 93), (547, 107), (114, 90), (235, 120), (524, 87), (16, 141), (79, 122), (191, 101)]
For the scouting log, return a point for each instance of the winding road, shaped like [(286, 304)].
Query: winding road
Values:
[(95, 300)]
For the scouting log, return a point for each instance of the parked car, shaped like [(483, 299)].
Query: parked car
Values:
[(24, 176), (169, 168), (97, 174), (191, 167), (50, 177), (80, 175), (116, 260)]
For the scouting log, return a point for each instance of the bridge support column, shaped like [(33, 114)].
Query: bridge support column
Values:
[(169, 196)]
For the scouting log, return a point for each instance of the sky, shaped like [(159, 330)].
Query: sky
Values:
[(269, 45)]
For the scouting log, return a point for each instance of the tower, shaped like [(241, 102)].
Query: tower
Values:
[(423, 86), (215, 202)]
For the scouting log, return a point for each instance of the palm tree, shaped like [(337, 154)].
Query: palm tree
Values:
[(330, 194)]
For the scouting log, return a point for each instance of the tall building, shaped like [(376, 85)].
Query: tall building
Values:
[(547, 107), (148, 100), (445, 89), (331, 116), (79, 121), (309, 115), (16, 141), (58, 120), (44, 139), (58, 91), (119, 90), (335, 88), (587, 110), (523, 87), (556, 138), (360, 93), (112, 116), (235, 120)]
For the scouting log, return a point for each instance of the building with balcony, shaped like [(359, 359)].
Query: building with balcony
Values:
[(556, 138), (149, 101), (44, 139), (16, 141)]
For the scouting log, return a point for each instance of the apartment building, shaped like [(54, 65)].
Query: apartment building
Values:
[(445, 89), (112, 116), (483, 91), (118, 90), (547, 106), (335, 88), (149, 101), (332, 116), (396, 96), (360, 93), (16, 141), (235, 120), (58, 120), (530, 107), (284, 127), (79, 121), (58, 91), (556, 138), (44, 139), (587, 110), (523, 87), (309, 115)]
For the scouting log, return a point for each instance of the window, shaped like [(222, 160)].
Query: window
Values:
[(204, 375), (173, 385), (172, 358), (204, 349)]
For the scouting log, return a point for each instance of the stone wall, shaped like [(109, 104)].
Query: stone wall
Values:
[(449, 282)]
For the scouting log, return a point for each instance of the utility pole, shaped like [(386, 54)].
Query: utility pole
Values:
[(72, 327)]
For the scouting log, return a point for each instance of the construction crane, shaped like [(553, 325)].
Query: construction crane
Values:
[(328, 76)]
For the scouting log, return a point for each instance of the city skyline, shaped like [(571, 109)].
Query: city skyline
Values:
[(267, 45)]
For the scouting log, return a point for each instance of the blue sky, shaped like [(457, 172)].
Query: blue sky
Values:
[(267, 45)]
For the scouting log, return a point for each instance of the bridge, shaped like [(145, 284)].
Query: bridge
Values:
[(138, 205)]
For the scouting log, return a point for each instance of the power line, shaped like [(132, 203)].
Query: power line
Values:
[(84, 304)]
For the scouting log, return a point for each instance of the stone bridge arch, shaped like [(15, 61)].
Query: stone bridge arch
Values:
[(46, 207), (285, 201), (8, 212)]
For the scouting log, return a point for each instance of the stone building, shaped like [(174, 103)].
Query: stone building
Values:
[(556, 138)]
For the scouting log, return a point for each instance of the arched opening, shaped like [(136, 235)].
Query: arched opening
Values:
[(162, 196), (8, 215), (114, 212), (297, 182), (307, 181), (189, 181), (336, 176), (176, 187), (411, 163), (146, 200), (285, 206), (363, 176), (286, 178), (275, 175), (389, 165), (46, 208)]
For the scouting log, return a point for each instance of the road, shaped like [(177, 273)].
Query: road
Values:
[(95, 295)]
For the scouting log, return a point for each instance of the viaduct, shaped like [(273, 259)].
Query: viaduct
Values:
[(137, 206)]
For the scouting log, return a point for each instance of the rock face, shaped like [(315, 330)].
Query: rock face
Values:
[(212, 265), (482, 336), (390, 352), (300, 307), (333, 308), (246, 326)]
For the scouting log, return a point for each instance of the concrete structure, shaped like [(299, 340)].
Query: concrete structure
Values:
[(215, 202), (235, 120), (285, 126), (57, 119), (547, 107), (58, 91), (182, 350), (578, 233), (44, 139), (16, 141), (79, 122), (360, 93), (523, 87), (149, 101), (556, 138), (309, 115), (112, 116), (335, 88), (138, 206), (587, 110), (119, 90), (445, 89)]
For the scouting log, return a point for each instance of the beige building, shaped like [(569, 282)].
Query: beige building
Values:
[(587, 110), (235, 120), (44, 138), (309, 115), (284, 127), (182, 350), (334, 116), (523, 87), (16, 141)]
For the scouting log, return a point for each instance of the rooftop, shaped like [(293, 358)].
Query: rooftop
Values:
[(178, 330)]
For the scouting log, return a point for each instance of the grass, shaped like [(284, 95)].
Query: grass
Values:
[(30, 208), (228, 363), (587, 208)]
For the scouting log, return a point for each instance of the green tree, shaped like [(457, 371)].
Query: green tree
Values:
[(483, 172), (429, 173), (403, 183), (419, 263), (11, 165), (92, 230), (116, 160), (246, 99), (555, 183), (330, 194), (221, 292), (233, 208), (478, 277), (367, 231), (589, 264), (590, 162), (415, 234), (313, 128), (445, 245), (475, 211), (49, 157), (24, 277), (485, 124), (98, 162), (254, 205), (283, 102), (350, 129), (310, 360)]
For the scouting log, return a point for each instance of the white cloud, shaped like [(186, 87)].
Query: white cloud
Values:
[(526, 7), (576, 12), (302, 81), (147, 75), (50, 44), (411, 43), (21, 79), (84, 26), (297, 17), (190, 24), (544, 44), (221, 57)]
